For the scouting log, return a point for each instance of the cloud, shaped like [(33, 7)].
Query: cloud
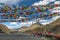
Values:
[(9, 1), (29, 23), (40, 3), (13, 23), (45, 22), (57, 2), (44, 2), (10, 27), (49, 0), (22, 24)]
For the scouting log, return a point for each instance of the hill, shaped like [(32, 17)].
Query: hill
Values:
[(53, 27), (22, 29), (32, 27), (4, 29)]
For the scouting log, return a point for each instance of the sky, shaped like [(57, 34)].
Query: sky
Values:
[(13, 25)]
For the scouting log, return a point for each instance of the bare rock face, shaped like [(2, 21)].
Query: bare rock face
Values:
[(4, 29)]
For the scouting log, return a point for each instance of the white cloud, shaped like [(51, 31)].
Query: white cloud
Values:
[(13, 23), (28, 24), (49, 0), (22, 24), (9, 1), (10, 27), (40, 3), (45, 22), (21, 17), (57, 2)]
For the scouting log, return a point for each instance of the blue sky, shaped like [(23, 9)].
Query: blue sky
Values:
[(27, 2), (19, 2)]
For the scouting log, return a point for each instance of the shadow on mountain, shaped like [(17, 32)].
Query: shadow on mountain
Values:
[(4, 29)]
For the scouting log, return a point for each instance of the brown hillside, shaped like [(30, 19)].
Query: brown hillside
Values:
[(22, 29), (32, 27), (54, 27), (4, 29)]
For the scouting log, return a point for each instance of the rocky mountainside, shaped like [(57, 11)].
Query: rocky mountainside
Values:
[(32, 27), (53, 27), (22, 29), (4, 29)]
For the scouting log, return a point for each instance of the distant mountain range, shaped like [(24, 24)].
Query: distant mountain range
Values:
[(53, 27)]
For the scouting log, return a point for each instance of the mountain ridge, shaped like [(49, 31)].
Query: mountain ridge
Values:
[(52, 27), (4, 29)]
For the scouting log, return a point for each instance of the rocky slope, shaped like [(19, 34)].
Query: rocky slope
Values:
[(32, 27), (53, 27), (4, 29)]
